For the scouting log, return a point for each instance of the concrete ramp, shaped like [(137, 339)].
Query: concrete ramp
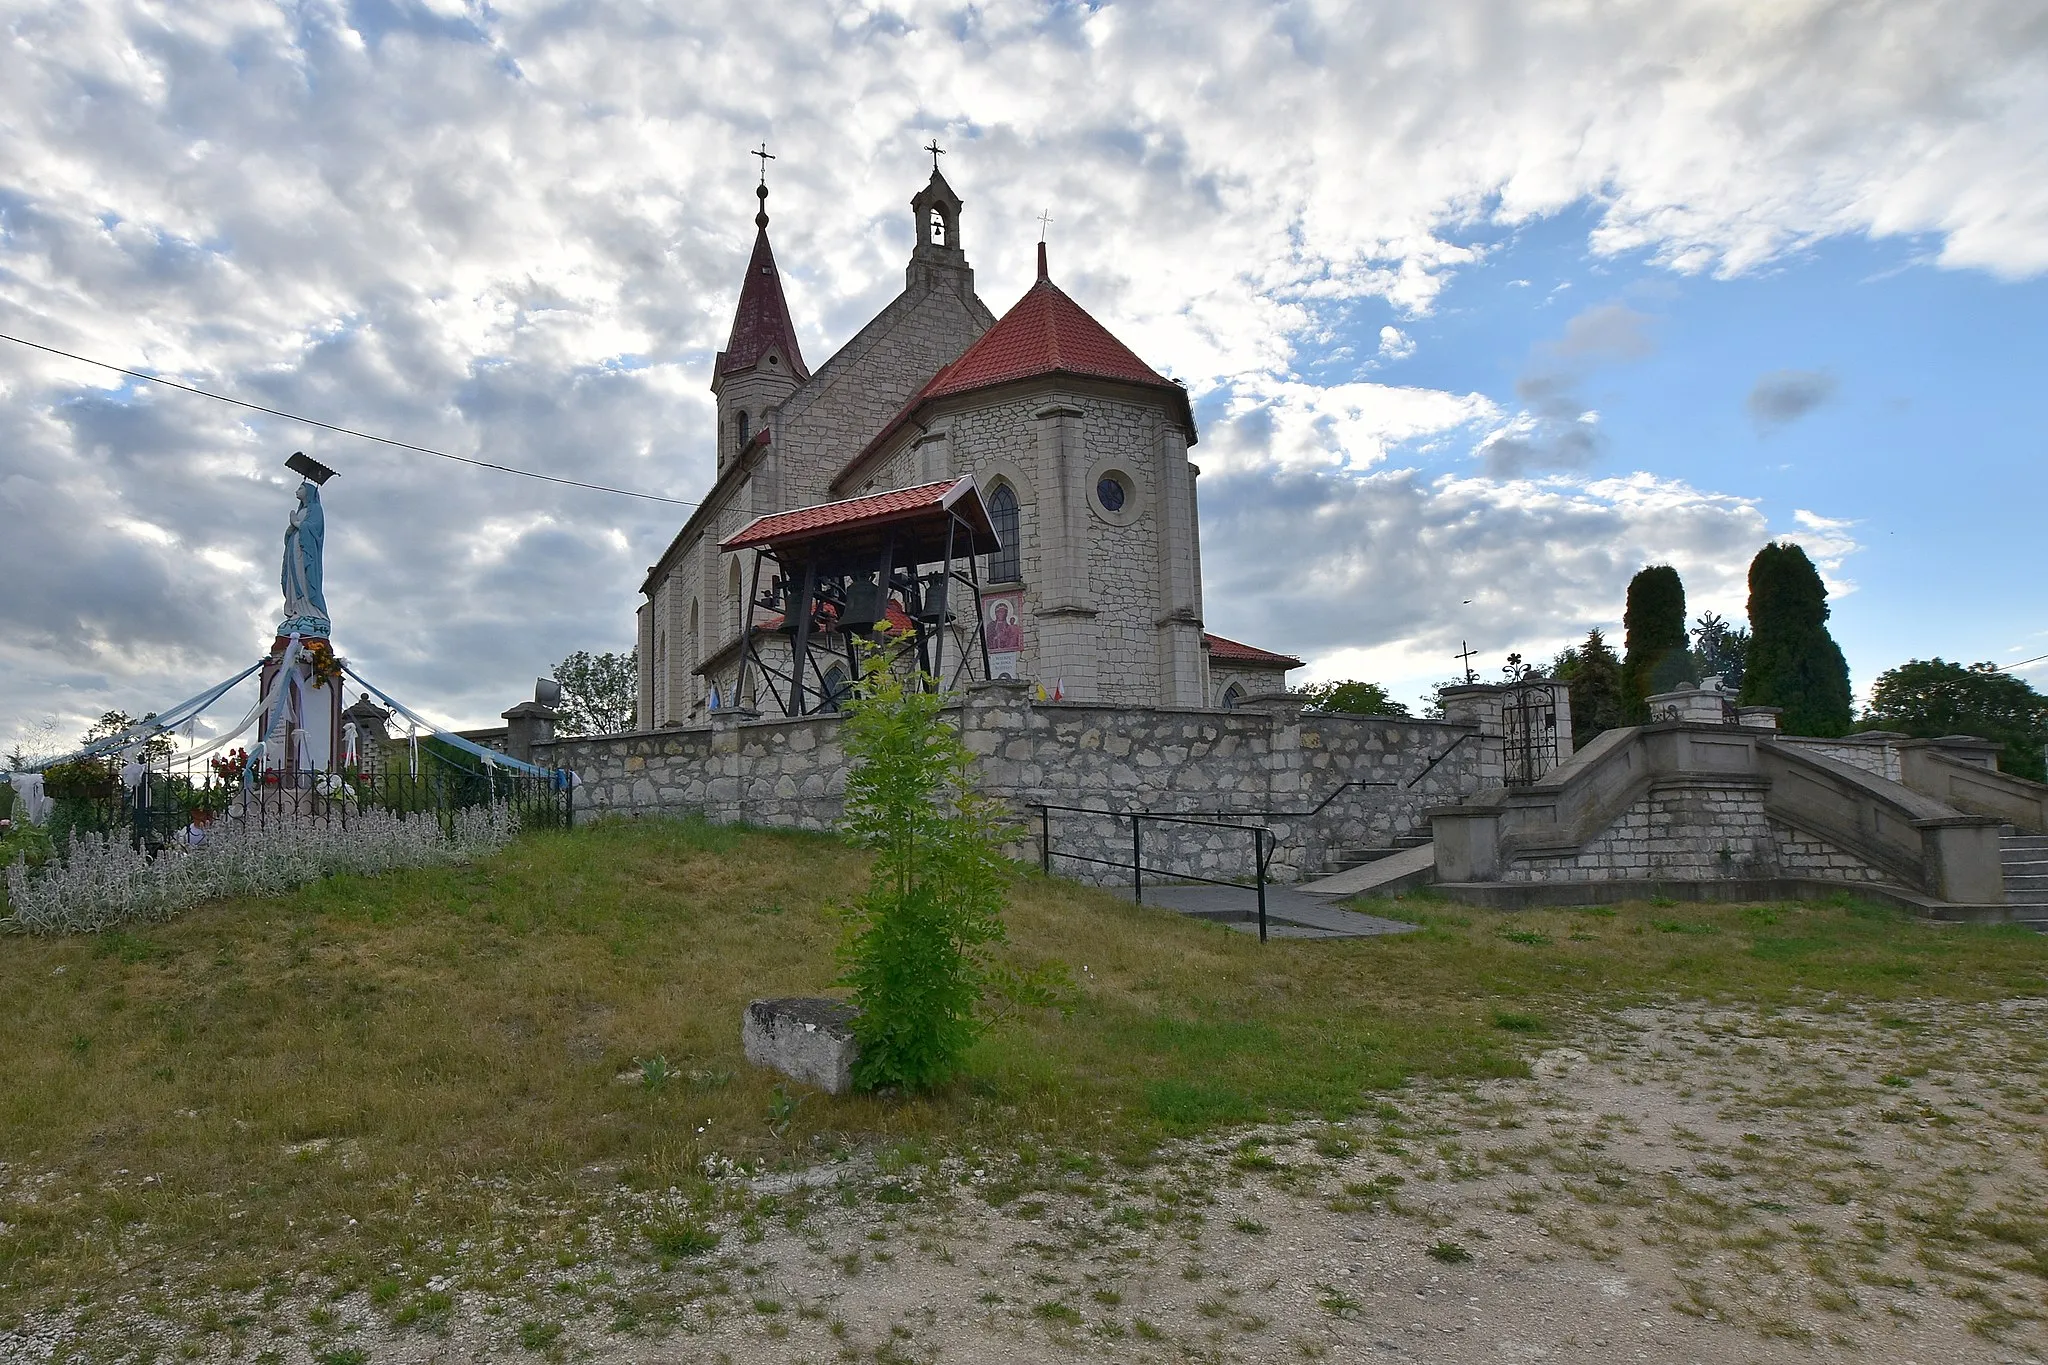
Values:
[(1289, 914), (1411, 867)]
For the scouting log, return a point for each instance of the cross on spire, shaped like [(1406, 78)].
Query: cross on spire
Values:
[(766, 157), (1043, 219), (937, 151)]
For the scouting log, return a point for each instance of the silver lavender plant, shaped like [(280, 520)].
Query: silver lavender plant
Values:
[(97, 882)]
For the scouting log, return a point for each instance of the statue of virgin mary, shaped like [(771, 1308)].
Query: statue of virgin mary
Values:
[(305, 604)]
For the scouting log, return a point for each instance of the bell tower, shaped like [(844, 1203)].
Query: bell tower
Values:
[(761, 364), (938, 256)]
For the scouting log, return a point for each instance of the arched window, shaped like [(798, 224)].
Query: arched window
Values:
[(1232, 695), (735, 609), (837, 688), (1006, 565), (938, 227), (739, 431)]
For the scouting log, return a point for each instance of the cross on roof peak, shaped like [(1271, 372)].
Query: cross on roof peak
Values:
[(1043, 220), (766, 157), (937, 151)]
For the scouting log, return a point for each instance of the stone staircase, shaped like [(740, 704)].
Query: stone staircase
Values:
[(1344, 859), (2024, 860)]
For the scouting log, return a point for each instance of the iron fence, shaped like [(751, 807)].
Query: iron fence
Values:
[(163, 808)]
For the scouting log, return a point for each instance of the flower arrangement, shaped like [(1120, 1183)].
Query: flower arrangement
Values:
[(229, 765), (320, 659)]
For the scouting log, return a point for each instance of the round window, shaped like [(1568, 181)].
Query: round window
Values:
[(1110, 492)]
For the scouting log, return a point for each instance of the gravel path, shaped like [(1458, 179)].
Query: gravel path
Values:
[(1675, 1185)]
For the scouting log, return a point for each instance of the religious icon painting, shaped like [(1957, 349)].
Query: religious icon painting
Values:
[(1002, 624)]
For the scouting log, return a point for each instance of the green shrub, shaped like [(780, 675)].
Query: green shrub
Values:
[(916, 938)]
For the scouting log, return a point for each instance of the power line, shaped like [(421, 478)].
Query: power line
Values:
[(347, 431), (2007, 668)]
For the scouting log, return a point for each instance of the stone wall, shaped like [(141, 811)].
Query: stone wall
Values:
[(1808, 855), (1265, 760), (1681, 831), (1696, 830), (1876, 753)]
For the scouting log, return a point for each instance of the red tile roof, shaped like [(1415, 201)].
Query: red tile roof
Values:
[(850, 514), (761, 321), (1044, 333), (1230, 651)]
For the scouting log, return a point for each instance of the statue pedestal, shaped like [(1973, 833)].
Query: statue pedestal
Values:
[(303, 733)]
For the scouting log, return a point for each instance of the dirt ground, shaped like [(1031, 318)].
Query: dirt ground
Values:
[(1677, 1184)]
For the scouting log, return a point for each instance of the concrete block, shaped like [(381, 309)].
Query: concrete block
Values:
[(806, 1038)]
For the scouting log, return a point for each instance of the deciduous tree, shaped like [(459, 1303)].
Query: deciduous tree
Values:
[(600, 692), (1928, 698), (1351, 697)]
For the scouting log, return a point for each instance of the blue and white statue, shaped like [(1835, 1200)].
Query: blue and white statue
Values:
[(305, 604)]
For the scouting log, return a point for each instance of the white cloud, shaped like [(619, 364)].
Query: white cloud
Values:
[(515, 231), (1395, 344)]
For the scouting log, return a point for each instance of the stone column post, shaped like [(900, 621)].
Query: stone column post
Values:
[(1479, 704), (725, 784), (1962, 859), (1066, 621), (526, 725), (1467, 840), (1180, 612)]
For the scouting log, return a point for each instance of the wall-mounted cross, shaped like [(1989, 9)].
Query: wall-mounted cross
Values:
[(766, 157), (937, 151), (1043, 219), (1466, 658)]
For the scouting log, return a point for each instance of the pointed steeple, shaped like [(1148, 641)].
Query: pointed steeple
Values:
[(762, 334)]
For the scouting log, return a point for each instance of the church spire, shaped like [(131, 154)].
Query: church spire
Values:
[(762, 334)]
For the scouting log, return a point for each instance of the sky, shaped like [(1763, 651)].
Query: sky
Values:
[(1483, 306)]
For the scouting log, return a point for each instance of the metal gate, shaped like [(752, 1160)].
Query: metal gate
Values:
[(1529, 725)]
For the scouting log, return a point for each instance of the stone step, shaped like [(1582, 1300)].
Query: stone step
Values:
[(1355, 856), (2032, 843)]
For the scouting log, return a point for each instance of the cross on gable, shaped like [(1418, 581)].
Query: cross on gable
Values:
[(937, 151)]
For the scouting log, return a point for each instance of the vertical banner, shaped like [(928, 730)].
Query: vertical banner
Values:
[(1003, 626)]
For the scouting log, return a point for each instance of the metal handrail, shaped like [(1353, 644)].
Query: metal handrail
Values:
[(1263, 843), (1430, 766)]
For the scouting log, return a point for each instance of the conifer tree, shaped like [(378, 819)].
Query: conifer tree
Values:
[(1792, 661), (1595, 677), (1659, 655)]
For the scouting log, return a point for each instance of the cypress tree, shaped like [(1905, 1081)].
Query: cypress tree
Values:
[(1793, 662), (1659, 655)]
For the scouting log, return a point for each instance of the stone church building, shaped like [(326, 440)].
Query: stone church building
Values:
[(1078, 449)]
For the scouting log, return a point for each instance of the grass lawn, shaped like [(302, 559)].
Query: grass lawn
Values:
[(390, 1075)]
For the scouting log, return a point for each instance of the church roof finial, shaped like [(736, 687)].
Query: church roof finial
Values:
[(761, 214), (761, 326)]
